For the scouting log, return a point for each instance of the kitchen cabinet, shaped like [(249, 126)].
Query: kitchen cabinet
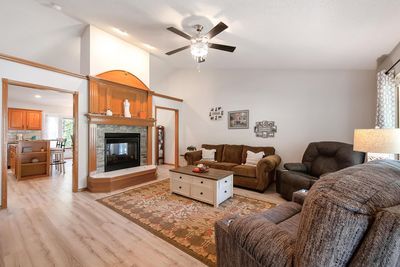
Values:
[(24, 119), (16, 119), (33, 120)]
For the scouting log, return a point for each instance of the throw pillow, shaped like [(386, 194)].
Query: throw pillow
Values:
[(253, 158), (208, 154)]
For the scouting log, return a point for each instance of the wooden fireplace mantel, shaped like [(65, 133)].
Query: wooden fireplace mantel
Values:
[(118, 120), (108, 91)]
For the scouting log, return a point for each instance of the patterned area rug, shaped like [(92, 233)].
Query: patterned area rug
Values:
[(185, 223)]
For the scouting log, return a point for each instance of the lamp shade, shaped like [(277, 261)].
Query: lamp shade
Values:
[(377, 140)]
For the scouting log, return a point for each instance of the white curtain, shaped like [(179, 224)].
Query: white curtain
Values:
[(386, 102), (386, 108)]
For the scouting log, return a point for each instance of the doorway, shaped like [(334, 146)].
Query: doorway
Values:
[(166, 136), (40, 129)]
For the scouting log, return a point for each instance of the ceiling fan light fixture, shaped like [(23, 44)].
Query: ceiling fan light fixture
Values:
[(199, 48), (199, 43)]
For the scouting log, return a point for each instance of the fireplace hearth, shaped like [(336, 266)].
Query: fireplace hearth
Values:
[(122, 150)]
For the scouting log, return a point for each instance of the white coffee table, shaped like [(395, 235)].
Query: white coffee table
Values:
[(212, 187)]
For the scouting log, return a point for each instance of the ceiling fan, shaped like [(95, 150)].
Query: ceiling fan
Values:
[(200, 42)]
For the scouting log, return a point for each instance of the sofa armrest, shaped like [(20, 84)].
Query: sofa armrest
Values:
[(191, 157), (299, 196), (269, 163), (250, 234), (296, 167), (265, 171)]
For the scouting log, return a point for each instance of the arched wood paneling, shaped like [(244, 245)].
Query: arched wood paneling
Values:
[(123, 77)]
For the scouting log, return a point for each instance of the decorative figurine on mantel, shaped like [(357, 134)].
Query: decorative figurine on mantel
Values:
[(109, 112), (127, 113)]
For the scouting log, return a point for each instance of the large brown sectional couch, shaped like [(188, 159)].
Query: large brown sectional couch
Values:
[(232, 157)]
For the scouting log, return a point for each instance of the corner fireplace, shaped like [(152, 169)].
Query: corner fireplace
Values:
[(122, 150)]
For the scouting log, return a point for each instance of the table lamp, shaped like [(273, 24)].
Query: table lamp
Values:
[(385, 141)]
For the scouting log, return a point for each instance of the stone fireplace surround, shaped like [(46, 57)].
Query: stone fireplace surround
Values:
[(100, 145)]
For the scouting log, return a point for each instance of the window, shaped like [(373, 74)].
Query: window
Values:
[(52, 127), (67, 131)]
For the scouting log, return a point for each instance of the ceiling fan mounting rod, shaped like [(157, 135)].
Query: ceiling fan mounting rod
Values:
[(198, 27)]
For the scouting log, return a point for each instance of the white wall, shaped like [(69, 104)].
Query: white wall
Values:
[(107, 52), (305, 105), (168, 103), (166, 118), (19, 72), (33, 31)]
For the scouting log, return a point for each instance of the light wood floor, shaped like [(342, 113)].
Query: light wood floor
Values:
[(47, 225)]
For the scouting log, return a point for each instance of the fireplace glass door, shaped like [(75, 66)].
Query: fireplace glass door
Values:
[(122, 151)]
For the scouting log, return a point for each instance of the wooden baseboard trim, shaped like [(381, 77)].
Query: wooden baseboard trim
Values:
[(104, 185)]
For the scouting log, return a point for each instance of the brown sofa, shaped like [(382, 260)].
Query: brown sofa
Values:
[(349, 218), (231, 157)]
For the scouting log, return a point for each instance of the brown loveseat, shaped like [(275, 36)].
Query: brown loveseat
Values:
[(349, 218), (231, 157)]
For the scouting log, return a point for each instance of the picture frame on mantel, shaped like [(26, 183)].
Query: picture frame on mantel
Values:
[(238, 119)]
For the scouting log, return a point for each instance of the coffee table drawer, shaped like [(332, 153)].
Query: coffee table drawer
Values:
[(181, 177), (203, 182), (180, 187), (202, 193)]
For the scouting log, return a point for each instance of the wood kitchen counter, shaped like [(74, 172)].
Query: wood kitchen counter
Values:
[(30, 159)]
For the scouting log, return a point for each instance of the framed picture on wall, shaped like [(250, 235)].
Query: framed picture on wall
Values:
[(238, 119)]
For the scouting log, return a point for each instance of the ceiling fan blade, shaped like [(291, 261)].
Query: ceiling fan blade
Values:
[(177, 50), (216, 30), (226, 48), (179, 32)]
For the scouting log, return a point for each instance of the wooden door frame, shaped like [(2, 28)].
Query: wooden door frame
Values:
[(4, 136), (176, 111)]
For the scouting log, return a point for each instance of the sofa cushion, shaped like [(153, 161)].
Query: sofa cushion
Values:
[(253, 158), (245, 170), (208, 163), (218, 150), (232, 154), (291, 225), (208, 154), (268, 150), (223, 165)]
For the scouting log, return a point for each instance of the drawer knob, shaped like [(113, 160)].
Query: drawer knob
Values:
[(180, 177), (201, 182), (201, 193), (225, 192), (180, 187), (226, 181)]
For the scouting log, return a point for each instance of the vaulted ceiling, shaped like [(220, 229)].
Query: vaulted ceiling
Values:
[(269, 34)]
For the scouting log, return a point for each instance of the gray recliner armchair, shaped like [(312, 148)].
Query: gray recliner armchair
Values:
[(318, 159), (349, 218)]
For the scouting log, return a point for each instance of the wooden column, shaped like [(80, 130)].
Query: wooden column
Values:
[(149, 130), (92, 147)]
